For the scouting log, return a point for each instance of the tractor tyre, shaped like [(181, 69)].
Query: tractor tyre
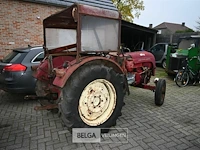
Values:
[(160, 92), (92, 97)]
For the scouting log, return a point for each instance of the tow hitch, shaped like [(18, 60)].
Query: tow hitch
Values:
[(46, 103)]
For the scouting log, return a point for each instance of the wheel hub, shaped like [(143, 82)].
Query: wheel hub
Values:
[(97, 102)]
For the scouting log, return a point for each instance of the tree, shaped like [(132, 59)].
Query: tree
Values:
[(198, 25), (129, 8)]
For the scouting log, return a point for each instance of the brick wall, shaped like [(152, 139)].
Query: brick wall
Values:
[(21, 24)]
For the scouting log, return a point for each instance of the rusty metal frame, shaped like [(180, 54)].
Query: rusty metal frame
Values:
[(60, 82), (98, 12), (79, 23), (81, 10)]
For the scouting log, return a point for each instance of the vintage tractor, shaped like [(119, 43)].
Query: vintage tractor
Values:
[(84, 74)]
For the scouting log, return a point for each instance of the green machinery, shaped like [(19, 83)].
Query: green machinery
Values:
[(187, 47)]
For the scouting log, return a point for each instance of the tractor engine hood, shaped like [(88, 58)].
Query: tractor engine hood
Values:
[(141, 57)]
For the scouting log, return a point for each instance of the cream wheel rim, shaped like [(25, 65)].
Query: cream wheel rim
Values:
[(97, 102)]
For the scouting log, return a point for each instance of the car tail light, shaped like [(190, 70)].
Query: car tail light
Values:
[(15, 67)]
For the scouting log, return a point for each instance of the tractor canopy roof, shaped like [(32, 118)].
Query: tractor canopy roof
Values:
[(64, 17), (90, 28)]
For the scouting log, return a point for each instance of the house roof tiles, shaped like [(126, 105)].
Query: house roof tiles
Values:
[(173, 27), (107, 4)]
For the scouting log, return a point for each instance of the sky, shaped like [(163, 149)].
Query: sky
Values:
[(173, 11)]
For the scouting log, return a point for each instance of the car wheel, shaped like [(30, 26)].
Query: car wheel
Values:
[(164, 63)]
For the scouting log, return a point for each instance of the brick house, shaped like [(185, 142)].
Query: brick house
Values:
[(21, 23), (21, 20)]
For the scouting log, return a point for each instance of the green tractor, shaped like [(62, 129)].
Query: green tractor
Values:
[(187, 47)]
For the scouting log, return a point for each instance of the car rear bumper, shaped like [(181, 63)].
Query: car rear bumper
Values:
[(12, 88), (17, 82)]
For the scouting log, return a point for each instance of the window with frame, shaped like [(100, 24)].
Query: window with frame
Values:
[(159, 47), (39, 57)]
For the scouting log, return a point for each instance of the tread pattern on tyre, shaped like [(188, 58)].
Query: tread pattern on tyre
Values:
[(158, 92), (74, 87)]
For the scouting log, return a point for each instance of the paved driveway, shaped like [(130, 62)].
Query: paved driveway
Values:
[(175, 125)]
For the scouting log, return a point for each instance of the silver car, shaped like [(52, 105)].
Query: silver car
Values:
[(159, 51)]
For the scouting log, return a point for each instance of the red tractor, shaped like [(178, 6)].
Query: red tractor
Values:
[(84, 74)]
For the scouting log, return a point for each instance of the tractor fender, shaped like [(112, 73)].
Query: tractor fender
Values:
[(74, 65)]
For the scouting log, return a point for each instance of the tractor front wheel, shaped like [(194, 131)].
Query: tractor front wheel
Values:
[(92, 97), (160, 92)]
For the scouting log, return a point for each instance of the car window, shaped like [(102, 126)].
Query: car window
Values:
[(14, 57), (157, 48), (39, 57), (162, 47), (154, 49)]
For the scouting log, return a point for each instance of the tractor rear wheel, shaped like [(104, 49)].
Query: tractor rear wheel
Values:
[(92, 97), (160, 92)]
